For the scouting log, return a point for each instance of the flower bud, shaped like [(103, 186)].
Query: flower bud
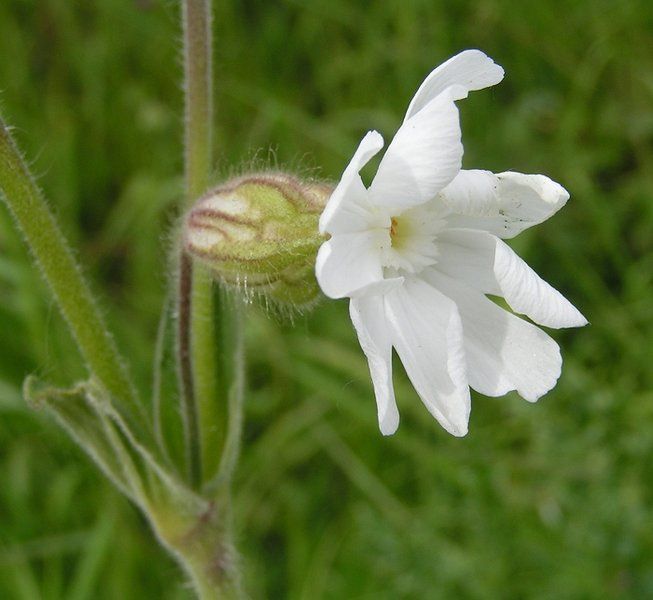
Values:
[(260, 233)]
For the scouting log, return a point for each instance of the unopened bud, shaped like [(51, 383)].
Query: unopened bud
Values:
[(260, 233)]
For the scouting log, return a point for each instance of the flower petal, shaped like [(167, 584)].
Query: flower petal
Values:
[(472, 69), (504, 204), (350, 261), (503, 352), (348, 208), (378, 288), (424, 156), (473, 193), (468, 256), (427, 334), (368, 316), (488, 264), (528, 294)]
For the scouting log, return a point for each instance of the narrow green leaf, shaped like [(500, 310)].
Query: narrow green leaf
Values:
[(72, 409)]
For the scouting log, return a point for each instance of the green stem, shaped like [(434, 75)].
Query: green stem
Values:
[(197, 327), (207, 346), (205, 349), (198, 96), (63, 275), (209, 402), (201, 541)]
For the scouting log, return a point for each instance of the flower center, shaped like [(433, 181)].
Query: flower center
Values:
[(400, 232), (413, 239)]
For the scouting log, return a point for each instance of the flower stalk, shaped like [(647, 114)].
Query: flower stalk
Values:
[(198, 353), (209, 344)]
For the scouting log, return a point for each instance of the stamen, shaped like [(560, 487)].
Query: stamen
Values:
[(412, 237), (393, 227)]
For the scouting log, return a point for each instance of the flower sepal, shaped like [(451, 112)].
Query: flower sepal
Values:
[(259, 234)]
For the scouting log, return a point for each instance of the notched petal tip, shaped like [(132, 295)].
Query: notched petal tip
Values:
[(553, 374), (493, 72), (470, 69), (373, 140), (546, 189)]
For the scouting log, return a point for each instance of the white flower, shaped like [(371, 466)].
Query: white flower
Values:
[(419, 249)]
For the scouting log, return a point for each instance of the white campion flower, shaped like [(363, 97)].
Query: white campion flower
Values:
[(418, 251)]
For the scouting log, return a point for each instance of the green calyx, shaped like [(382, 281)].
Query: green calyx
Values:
[(259, 233)]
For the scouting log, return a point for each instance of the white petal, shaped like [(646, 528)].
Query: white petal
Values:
[(468, 256), (427, 334), (488, 264), (528, 294), (378, 288), (503, 204), (349, 262), (503, 352), (348, 208), (368, 316), (471, 68), (424, 156), (472, 193)]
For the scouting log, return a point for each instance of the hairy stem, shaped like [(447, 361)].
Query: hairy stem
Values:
[(196, 344), (201, 541), (207, 323), (198, 95), (211, 405), (63, 275), (205, 349)]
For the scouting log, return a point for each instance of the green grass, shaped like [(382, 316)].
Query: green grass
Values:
[(545, 501)]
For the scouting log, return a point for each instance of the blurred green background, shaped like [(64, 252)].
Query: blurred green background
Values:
[(553, 500)]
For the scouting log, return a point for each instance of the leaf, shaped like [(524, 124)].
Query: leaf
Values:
[(87, 413), (77, 414)]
